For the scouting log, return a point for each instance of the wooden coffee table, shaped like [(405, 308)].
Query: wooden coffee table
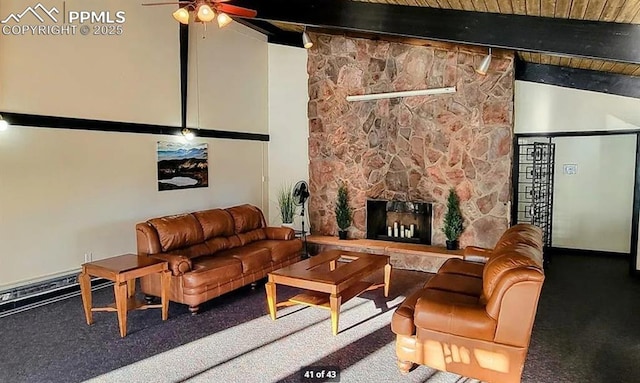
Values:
[(123, 271), (330, 278)]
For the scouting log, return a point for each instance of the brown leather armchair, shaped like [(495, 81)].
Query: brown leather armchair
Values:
[(475, 316)]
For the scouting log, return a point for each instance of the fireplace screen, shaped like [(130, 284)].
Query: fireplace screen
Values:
[(399, 221)]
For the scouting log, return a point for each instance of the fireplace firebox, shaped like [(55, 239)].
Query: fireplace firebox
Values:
[(399, 221)]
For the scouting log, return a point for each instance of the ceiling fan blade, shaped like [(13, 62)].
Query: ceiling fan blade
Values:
[(236, 11), (169, 3)]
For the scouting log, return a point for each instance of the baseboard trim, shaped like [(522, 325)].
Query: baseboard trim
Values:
[(32, 301), (559, 251)]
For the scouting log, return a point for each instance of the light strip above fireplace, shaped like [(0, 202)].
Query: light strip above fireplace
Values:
[(409, 93)]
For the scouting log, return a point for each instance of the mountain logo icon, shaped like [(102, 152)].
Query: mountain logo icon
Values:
[(35, 12)]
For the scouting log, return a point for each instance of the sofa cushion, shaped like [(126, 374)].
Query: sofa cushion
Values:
[(215, 223), (517, 256), (453, 313), (246, 218), (523, 248), (280, 250), (177, 231), (520, 233), (194, 251), (147, 239), (218, 244), (212, 270), (462, 284), (458, 266), (251, 236), (284, 233), (234, 241), (252, 258)]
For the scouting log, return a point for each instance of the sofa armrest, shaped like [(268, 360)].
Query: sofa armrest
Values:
[(477, 254), (402, 320), (178, 264), (281, 233)]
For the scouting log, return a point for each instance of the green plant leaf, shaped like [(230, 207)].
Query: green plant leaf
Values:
[(344, 213), (453, 224), (286, 203)]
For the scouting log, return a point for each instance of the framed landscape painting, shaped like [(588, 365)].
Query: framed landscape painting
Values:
[(182, 165)]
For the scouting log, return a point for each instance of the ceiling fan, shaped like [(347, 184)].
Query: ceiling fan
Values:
[(207, 10)]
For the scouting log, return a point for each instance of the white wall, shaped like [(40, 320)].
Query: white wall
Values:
[(64, 193), (229, 70), (547, 108), (593, 208), (288, 123), (133, 77)]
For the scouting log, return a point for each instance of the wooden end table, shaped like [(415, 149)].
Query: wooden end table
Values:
[(123, 270), (330, 278)]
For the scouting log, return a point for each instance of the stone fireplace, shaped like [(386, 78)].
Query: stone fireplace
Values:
[(399, 221), (412, 148)]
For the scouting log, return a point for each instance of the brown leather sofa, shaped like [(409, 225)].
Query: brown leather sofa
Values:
[(214, 251), (475, 316)]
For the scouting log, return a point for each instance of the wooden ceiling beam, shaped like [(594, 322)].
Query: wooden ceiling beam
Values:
[(557, 36), (274, 34), (576, 78)]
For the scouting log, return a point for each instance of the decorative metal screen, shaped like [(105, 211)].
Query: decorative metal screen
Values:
[(534, 199)]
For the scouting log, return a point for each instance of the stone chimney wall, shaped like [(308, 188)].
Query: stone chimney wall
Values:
[(414, 148)]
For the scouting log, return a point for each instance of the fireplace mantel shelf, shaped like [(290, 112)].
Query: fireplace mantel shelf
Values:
[(406, 255), (384, 247)]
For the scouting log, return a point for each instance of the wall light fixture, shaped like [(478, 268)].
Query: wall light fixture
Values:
[(4, 125)]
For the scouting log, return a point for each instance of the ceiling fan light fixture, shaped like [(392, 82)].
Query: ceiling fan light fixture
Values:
[(484, 64), (181, 15), (205, 13), (306, 40), (223, 19)]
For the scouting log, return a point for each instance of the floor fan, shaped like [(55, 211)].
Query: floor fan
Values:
[(300, 196)]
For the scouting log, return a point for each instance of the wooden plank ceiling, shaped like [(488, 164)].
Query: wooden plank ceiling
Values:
[(617, 11)]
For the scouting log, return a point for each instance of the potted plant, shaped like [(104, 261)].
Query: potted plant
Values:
[(452, 220), (343, 212), (286, 205)]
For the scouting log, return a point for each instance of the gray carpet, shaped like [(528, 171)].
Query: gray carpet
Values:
[(588, 324), (587, 330), (262, 350)]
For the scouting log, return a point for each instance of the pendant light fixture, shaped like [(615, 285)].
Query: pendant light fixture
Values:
[(484, 64), (306, 40), (205, 13), (223, 19), (181, 15)]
